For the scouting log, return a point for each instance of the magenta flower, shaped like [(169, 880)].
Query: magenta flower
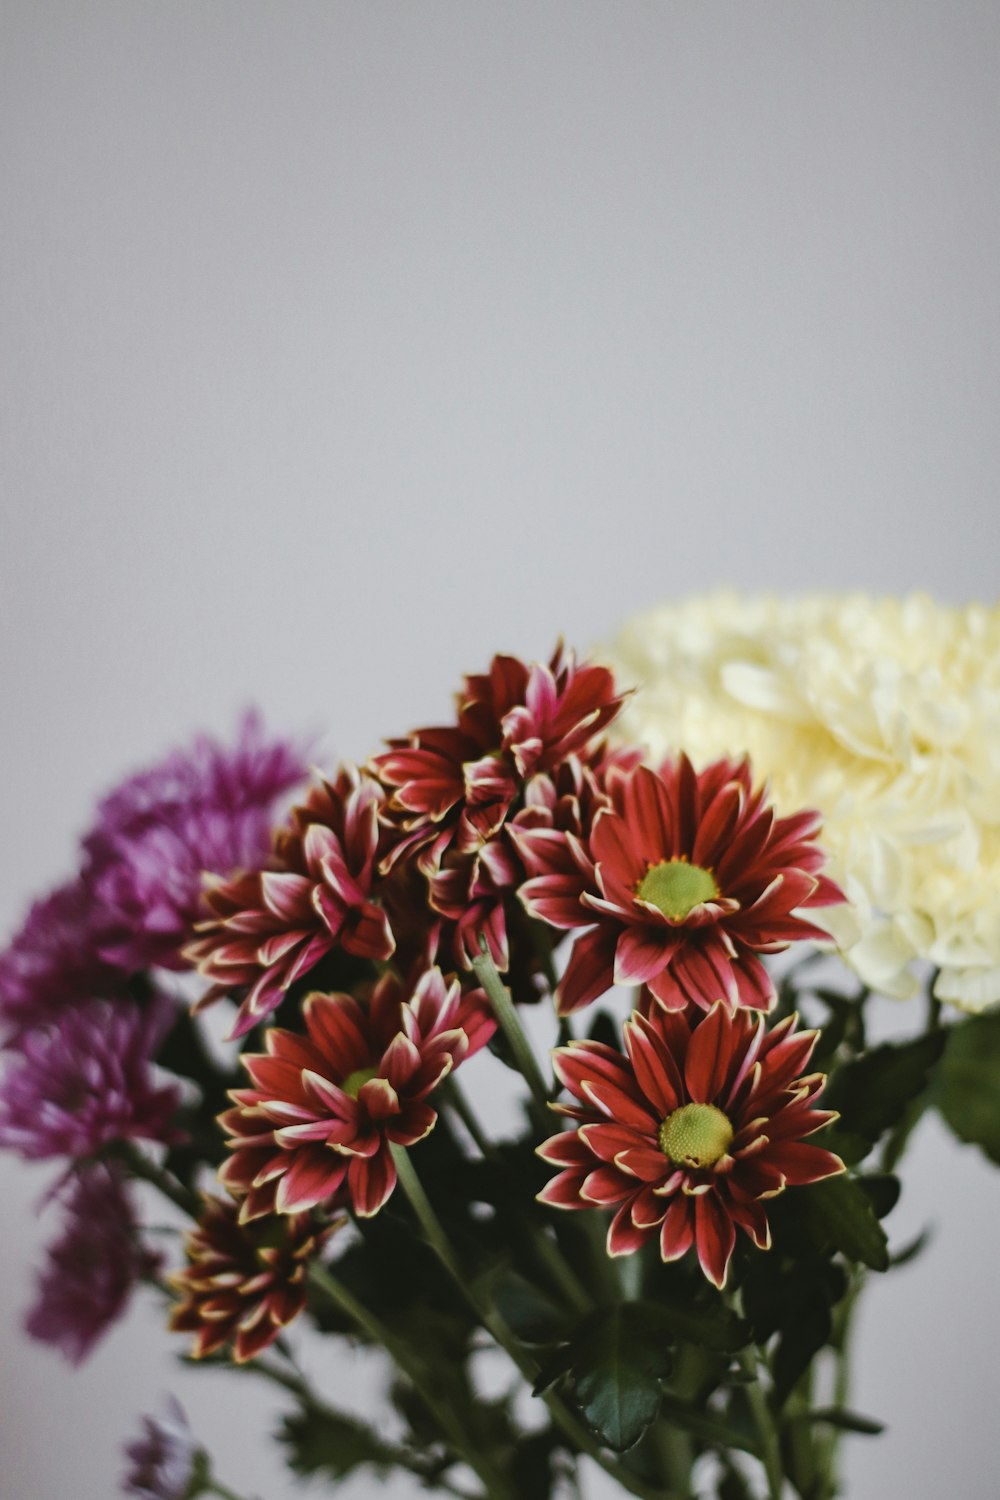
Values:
[(54, 962), (92, 1268), (87, 1080), (209, 809)]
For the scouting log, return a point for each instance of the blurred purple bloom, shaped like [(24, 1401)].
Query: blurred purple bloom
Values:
[(53, 963), (210, 808), (92, 1268), (163, 1461), (87, 1079)]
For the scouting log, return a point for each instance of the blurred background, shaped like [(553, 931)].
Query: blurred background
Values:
[(345, 344)]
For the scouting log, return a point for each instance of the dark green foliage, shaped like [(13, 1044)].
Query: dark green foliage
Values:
[(839, 1213), (873, 1092), (615, 1362), (333, 1445), (968, 1092)]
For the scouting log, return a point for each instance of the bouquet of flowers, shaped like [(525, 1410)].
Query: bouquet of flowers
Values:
[(583, 885)]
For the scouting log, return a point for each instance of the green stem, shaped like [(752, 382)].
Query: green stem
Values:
[(212, 1486), (561, 1415), (463, 1109), (830, 1447), (140, 1166), (506, 1014), (493, 1482), (547, 1253), (769, 1446)]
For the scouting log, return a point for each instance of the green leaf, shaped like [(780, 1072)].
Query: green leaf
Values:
[(332, 1444), (846, 1421), (882, 1190), (873, 1092), (968, 1091), (710, 1327), (616, 1361), (527, 1311), (840, 1213), (911, 1249)]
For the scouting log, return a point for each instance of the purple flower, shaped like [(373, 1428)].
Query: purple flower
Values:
[(87, 1079), (53, 963), (164, 1461), (92, 1268), (207, 809)]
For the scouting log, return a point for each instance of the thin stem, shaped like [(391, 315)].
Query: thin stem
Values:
[(506, 1014), (547, 1253), (212, 1486), (769, 1447), (463, 1110), (493, 1482), (140, 1166), (564, 1418)]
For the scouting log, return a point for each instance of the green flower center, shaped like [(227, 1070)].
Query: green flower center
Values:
[(676, 887), (696, 1135), (355, 1082)]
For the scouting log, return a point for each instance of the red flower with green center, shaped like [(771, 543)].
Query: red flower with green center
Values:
[(684, 880), (336, 1100), (453, 786), (244, 1283), (269, 928), (687, 1135)]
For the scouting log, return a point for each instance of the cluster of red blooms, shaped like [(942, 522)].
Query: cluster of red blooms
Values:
[(677, 881)]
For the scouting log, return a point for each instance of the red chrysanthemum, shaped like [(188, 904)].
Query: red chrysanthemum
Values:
[(335, 1100), (269, 928), (244, 1283), (453, 785), (684, 880), (687, 1135)]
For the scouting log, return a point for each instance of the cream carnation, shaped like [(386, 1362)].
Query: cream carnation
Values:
[(884, 715)]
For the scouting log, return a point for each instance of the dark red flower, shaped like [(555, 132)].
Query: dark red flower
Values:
[(688, 1135), (269, 928), (453, 785), (338, 1098), (244, 1283), (683, 881)]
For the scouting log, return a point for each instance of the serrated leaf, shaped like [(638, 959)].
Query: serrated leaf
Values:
[(840, 1213), (616, 1361), (968, 1087), (332, 1444), (872, 1092)]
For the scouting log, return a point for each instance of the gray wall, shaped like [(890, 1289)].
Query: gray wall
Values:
[(346, 343)]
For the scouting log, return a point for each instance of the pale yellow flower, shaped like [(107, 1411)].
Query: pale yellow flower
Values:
[(882, 713)]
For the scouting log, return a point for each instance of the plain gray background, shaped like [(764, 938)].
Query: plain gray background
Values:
[(347, 343)]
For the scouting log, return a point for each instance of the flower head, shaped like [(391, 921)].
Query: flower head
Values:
[(209, 810), (267, 929), (55, 961), (244, 1283), (882, 713), (685, 879), (337, 1099), (92, 1268), (163, 1462), (453, 785), (87, 1080), (687, 1135)]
